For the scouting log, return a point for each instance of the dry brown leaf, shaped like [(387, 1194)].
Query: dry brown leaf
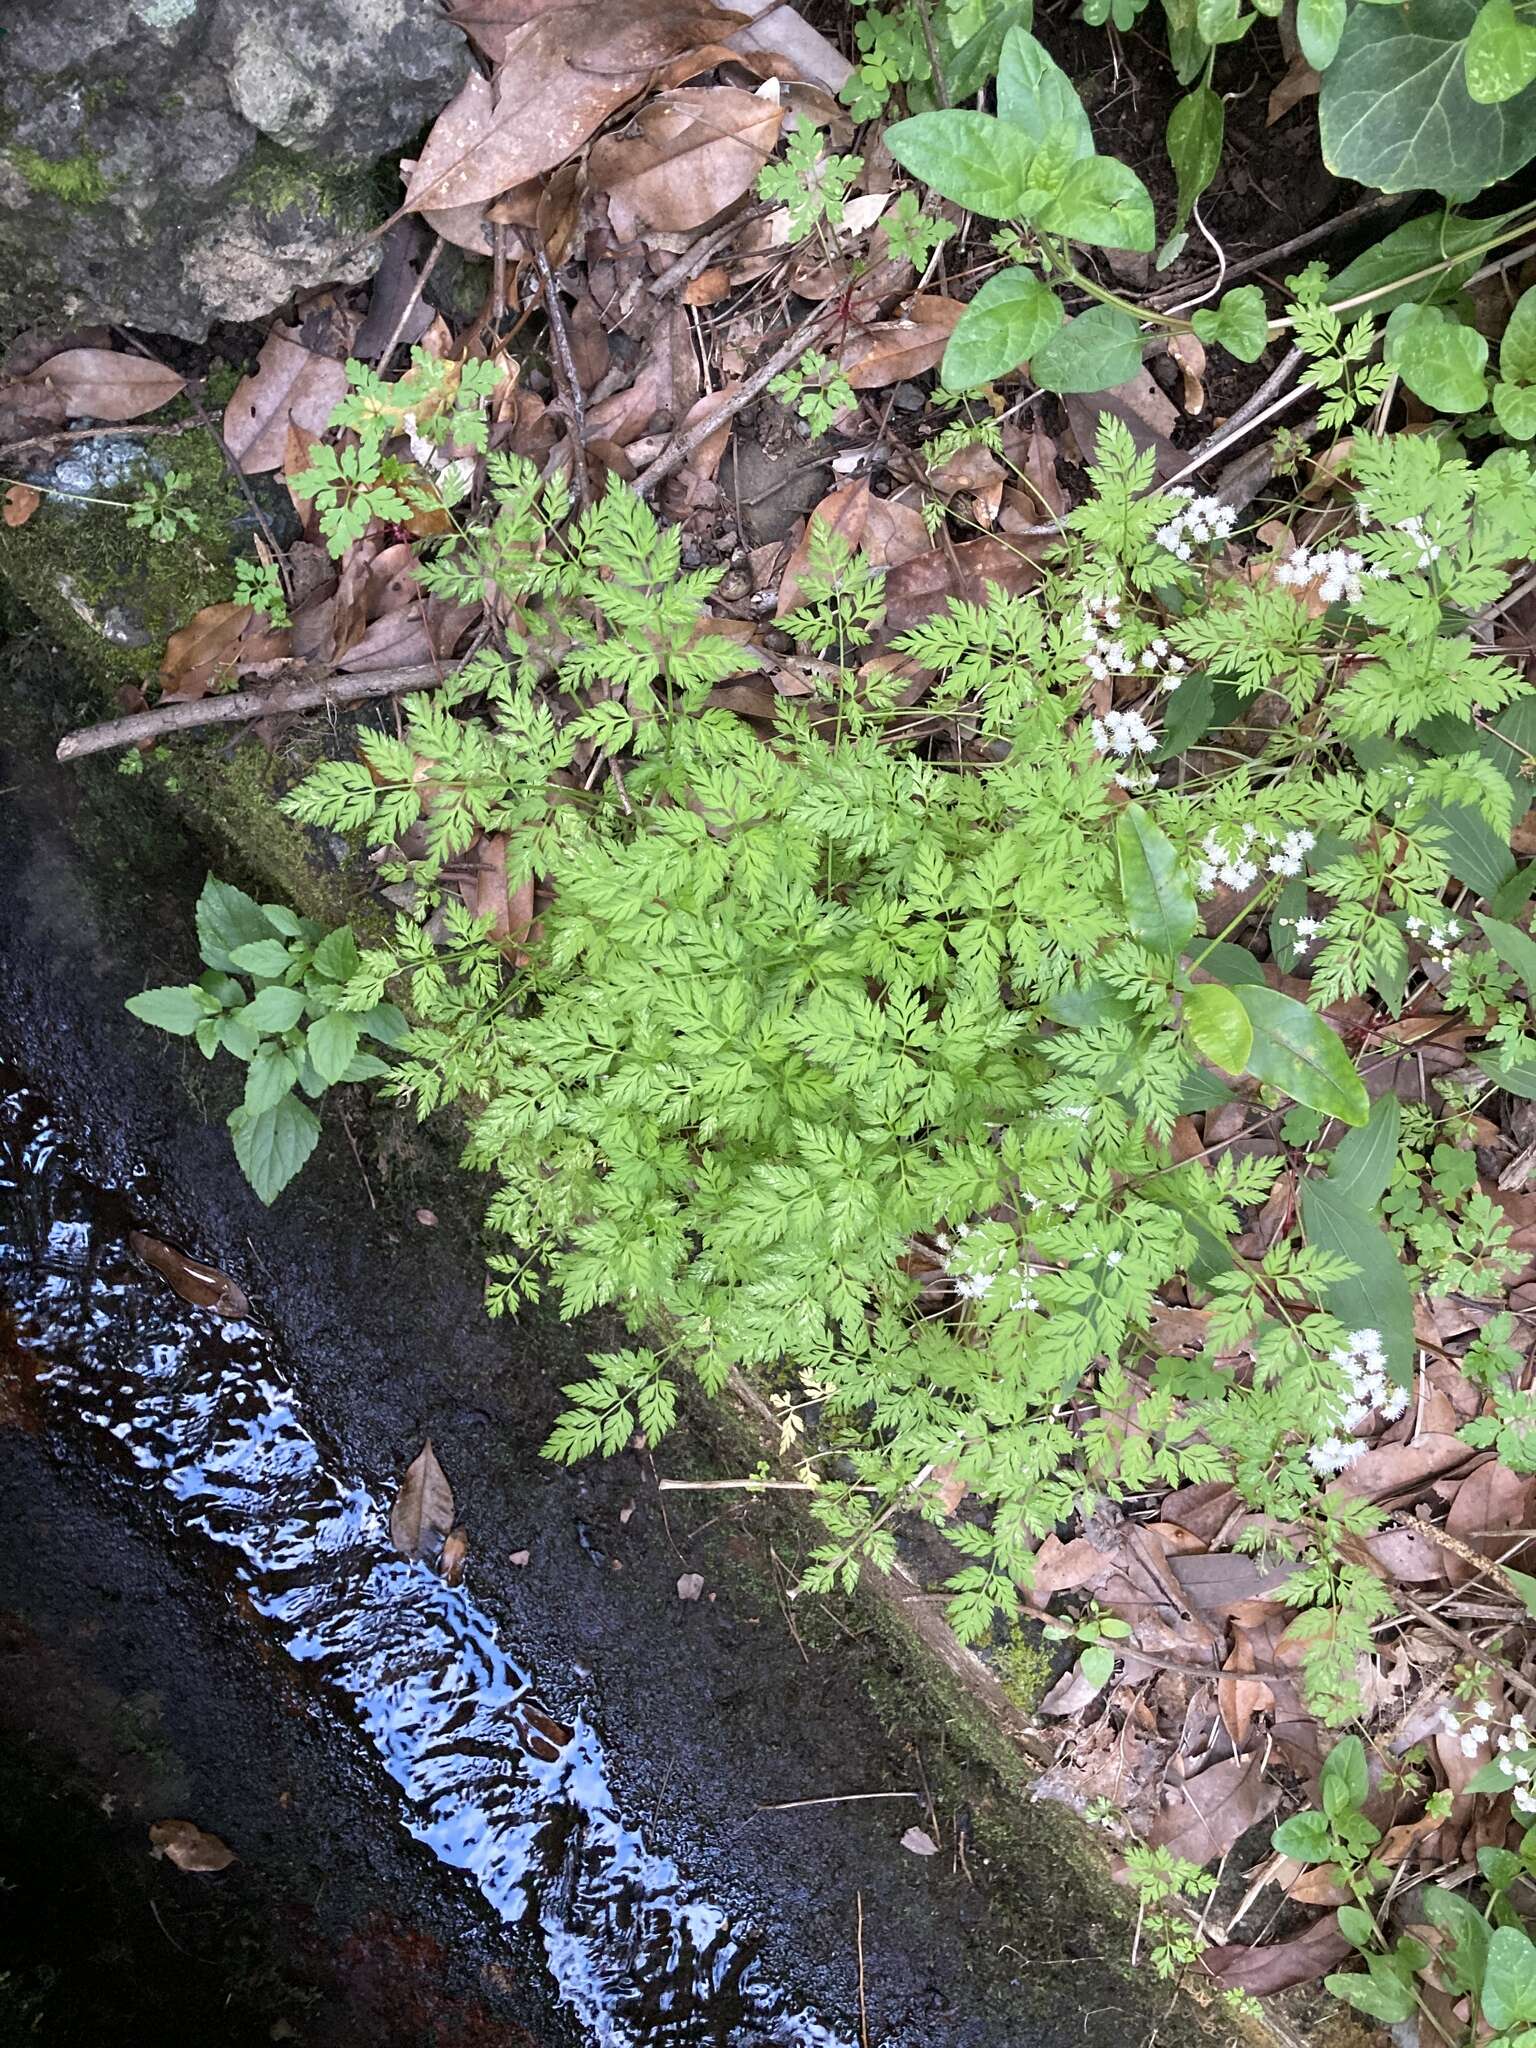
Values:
[(213, 645), (894, 532), (1488, 1500), (1277, 1965), (1403, 1468), (1188, 351), (19, 503), (204, 1286), (891, 351), (562, 75), (100, 384), (1240, 1692), (1203, 1817), (1063, 1567), (915, 590), (422, 1516), (690, 155), (1073, 1691), (1298, 84), (708, 288), (289, 384), (488, 23), (455, 1555), (780, 30), (843, 512), (188, 1847)]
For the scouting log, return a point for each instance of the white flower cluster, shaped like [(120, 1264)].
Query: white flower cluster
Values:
[(1439, 939), (1418, 533), (1363, 1365), (1514, 1759), (975, 1274), (1306, 929), (1123, 733), (1200, 519), (1339, 573), (1475, 1734), (1226, 866)]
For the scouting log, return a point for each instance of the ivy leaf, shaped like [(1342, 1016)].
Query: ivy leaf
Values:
[(274, 1009), (1035, 96), (177, 1010), (1517, 351), (1098, 350), (974, 159), (1377, 1295), (1240, 323), (1319, 25), (1101, 201), (1218, 1025), (1439, 359), (1501, 54), (1295, 1050), (332, 1041), (1159, 899), (272, 1146), (1003, 325), (227, 918), (1395, 112), (1305, 1837), (1196, 129)]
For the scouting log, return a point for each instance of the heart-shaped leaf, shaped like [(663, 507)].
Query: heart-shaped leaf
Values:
[(1003, 325)]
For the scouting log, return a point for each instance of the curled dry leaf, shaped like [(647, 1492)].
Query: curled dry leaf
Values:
[(918, 1842), (1188, 351), (204, 1286), (690, 1586), (691, 154), (1277, 1965), (1204, 1816), (214, 645), (455, 1555), (289, 385), (561, 75), (19, 503), (189, 1847), (100, 384), (422, 1516)]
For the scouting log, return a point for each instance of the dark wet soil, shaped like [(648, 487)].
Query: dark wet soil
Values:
[(137, 1682)]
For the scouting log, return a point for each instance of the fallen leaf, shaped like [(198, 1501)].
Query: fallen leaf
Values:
[(20, 502), (1188, 351), (708, 288), (1204, 1816), (212, 646), (918, 1842), (188, 1847), (1071, 1692), (1403, 1468), (1277, 1965), (891, 351), (203, 1286), (426, 1219), (1488, 1501), (289, 385), (422, 1516), (690, 155), (561, 76), (690, 1585), (1298, 84), (100, 384), (455, 1555), (843, 512), (782, 31)]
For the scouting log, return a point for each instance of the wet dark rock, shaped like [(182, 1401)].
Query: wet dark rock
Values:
[(170, 163)]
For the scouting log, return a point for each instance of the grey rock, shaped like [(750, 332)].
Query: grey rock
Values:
[(169, 163)]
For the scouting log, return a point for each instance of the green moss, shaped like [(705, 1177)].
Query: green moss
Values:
[(1024, 1669), (275, 182), (77, 180)]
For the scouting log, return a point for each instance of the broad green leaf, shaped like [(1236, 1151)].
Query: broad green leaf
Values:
[(1218, 1025), (1377, 1295), (365, 1066), (1501, 54), (227, 918), (1439, 359), (1240, 323), (1363, 1159), (1305, 1838), (1295, 1050), (1159, 899), (1509, 1981), (1412, 248), (978, 162), (177, 1010), (977, 59), (238, 1035), (1470, 848), (1230, 964), (1517, 949), (1525, 1586), (273, 1146), (274, 1009), (1466, 1930), (336, 956), (1221, 21), (1196, 128), (268, 1079), (1517, 351), (1098, 350), (1383, 1997), (283, 920), (1515, 1077), (332, 1041), (1357, 1926), (1395, 112), (1319, 25), (1001, 327), (1097, 1665), (224, 988), (386, 1023), (1101, 201), (1488, 1778), (1345, 1782), (1036, 97), (267, 957), (1514, 407)]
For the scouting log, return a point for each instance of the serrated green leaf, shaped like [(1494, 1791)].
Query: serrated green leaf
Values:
[(227, 918), (1098, 350), (273, 1146), (273, 1009), (267, 957), (1101, 201), (1159, 898), (332, 1041), (1001, 328), (1036, 97), (1218, 1025), (1501, 54), (1293, 1049), (178, 1010), (1395, 112), (977, 161), (336, 956), (1439, 359), (268, 1079)]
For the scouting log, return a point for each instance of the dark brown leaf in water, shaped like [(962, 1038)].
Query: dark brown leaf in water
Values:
[(455, 1555), (422, 1516), (204, 1286), (188, 1847)]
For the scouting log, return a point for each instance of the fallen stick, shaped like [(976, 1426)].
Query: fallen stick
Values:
[(240, 705)]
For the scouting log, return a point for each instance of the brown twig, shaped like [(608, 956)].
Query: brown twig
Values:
[(410, 306), (239, 706), (681, 446), (685, 268), (565, 365)]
